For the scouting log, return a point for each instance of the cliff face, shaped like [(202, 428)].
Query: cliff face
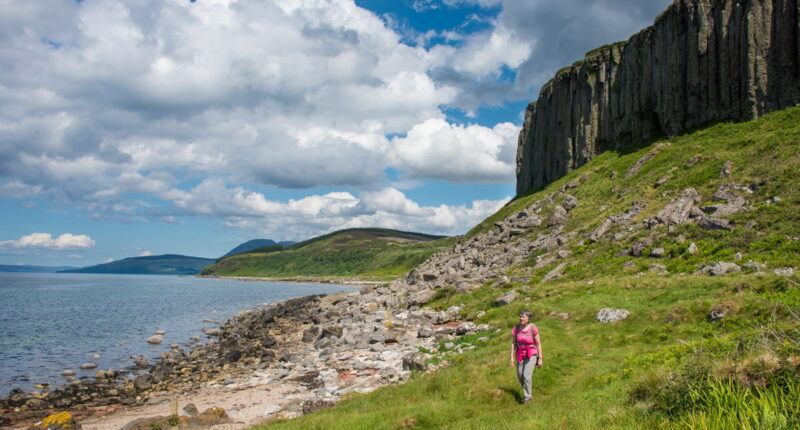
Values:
[(702, 61)]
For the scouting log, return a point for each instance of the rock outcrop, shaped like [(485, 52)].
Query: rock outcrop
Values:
[(702, 61)]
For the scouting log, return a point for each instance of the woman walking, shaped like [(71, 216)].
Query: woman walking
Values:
[(526, 351)]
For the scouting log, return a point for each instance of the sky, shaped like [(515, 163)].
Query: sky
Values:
[(145, 127)]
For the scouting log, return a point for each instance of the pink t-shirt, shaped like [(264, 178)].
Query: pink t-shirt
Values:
[(525, 342)]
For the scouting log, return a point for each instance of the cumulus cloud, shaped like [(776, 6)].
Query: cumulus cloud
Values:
[(318, 214), (438, 149), (66, 241), (114, 107), (145, 254), (106, 99)]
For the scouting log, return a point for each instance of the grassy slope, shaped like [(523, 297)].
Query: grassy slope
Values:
[(363, 253), (663, 367)]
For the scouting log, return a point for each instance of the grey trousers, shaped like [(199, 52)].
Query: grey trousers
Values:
[(525, 374)]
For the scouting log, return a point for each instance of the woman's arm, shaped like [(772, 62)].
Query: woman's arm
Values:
[(513, 352), (539, 344)]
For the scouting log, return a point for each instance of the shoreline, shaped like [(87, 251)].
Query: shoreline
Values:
[(355, 282), (280, 360)]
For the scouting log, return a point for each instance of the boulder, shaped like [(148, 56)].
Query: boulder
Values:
[(601, 230), (570, 202), (753, 266), (657, 252), (143, 382), (506, 298), (414, 361), (692, 249), (727, 169), (425, 332), (712, 223), (557, 272), (311, 334), (558, 217), (720, 268), (88, 366), (607, 315), (155, 339), (784, 271), (465, 328), (191, 410), (678, 210)]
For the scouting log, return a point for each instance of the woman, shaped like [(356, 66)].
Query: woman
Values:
[(526, 351)]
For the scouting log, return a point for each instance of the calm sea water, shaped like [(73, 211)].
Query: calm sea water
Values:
[(52, 322)]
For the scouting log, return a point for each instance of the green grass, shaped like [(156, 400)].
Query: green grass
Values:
[(666, 366), (377, 254)]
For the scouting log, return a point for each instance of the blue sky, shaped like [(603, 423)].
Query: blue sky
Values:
[(148, 127)]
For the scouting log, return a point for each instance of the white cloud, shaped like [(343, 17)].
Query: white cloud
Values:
[(145, 253), (47, 241), (437, 149), (115, 106), (317, 214)]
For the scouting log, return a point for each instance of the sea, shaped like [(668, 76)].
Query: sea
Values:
[(50, 322)]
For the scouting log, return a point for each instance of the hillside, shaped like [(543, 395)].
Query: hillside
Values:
[(254, 244), (362, 253), (24, 268), (695, 237), (167, 264)]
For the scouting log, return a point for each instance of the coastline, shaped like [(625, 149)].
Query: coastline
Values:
[(356, 282), (280, 360)]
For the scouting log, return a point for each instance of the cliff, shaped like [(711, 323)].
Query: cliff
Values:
[(701, 62)]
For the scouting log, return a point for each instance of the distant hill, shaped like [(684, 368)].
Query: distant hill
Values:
[(167, 264), (24, 268), (365, 253), (254, 244)]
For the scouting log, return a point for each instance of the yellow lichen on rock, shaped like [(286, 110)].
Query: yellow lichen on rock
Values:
[(59, 420)]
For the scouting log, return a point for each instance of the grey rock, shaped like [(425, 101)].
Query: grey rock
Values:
[(657, 252), (720, 268), (678, 210), (558, 217), (692, 249), (557, 272), (606, 315), (68, 372), (712, 223), (465, 328), (570, 202), (311, 334), (784, 271), (143, 382), (425, 332), (155, 339), (753, 266), (191, 410), (506, 298), (414, 361), (640, 245), (601, 229), (88, 366), (142, 362), (727, 169), (644, 159)]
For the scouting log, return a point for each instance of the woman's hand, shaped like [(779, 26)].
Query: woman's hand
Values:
[(539, 362)]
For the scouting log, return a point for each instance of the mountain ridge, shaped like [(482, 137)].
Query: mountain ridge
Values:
[(166, 264)]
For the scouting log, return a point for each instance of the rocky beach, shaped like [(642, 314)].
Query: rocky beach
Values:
[(277, 361)]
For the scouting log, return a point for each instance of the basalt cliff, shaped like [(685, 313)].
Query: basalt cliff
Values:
[(701, 62)]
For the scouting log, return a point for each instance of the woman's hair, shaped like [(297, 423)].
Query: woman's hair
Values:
[(527, 313)]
